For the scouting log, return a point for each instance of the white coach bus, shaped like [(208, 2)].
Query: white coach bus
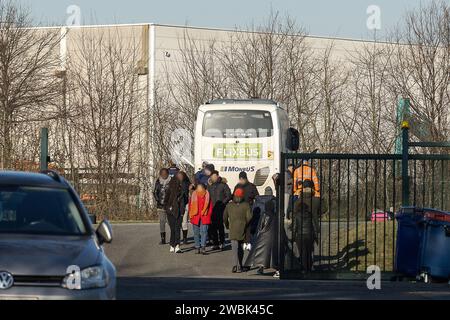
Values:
[(243, 135)]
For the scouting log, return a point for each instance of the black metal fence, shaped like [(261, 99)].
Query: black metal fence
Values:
[(359, 196)]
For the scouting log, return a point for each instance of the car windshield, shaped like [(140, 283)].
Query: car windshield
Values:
[(237, 124), (36, 210)]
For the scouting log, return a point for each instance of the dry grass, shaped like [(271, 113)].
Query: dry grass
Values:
[(363, 245)]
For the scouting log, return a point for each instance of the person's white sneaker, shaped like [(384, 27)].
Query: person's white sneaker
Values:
[(177, 249), (277, 275), (249, 246), (172, 249), (244, 246)]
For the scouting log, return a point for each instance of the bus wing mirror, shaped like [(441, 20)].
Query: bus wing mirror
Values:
[(293, 139)]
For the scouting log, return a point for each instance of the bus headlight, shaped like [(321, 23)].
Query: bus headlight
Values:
[(261, 176)]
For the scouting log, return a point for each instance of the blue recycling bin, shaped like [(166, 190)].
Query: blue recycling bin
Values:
[(410, 230), (435, 248)]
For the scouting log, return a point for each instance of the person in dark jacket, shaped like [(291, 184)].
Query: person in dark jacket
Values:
[(202, 176), (237, 216), (251, 192), (177, 196), (261, 254), (306, 224), (159, 193), (220, 195), (185, 190)]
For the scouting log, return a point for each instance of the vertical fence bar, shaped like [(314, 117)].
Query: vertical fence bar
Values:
[(348, 214), (442, 185), (282, 191), (338, 212), (394, 199), (405, 152), (423, 183), (385, 212), (320, 209), (433, 179), (415, 184), (375, 202), (357, 215), (329, 212), (366, 212)]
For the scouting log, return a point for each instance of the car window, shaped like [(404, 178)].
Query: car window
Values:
[(39, 211)]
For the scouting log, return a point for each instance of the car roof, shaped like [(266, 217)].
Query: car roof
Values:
[(29, 179)]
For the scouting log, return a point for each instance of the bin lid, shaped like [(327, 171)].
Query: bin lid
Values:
[(437, 215)]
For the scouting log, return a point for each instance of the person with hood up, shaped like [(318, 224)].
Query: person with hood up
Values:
[(262, 254), (200, 210), (203, 175), (177, 196), (306, 224), (237, 216), (251, 192), (159, 193)]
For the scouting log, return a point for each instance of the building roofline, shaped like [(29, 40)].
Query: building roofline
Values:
[(201, 28)]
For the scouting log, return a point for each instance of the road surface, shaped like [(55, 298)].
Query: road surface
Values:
[(147, 270)]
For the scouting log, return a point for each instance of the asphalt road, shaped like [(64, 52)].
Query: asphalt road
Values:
[(147, 270)]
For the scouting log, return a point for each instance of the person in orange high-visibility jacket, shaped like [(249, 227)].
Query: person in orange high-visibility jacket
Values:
[(306, 172)]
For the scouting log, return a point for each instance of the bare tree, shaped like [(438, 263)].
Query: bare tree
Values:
[(420, 66), (28, 86), (374, 101), (107, 100)]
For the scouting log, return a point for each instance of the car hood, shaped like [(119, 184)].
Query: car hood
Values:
[(46, 255)]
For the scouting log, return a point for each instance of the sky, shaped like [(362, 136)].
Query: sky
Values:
[(329, 18)]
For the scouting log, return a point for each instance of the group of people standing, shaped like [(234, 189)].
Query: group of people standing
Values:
[(209, 206)]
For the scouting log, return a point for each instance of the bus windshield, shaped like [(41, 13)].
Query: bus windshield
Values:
[(237, 124)]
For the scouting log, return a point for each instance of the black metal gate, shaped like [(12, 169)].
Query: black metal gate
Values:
[(358, 196)]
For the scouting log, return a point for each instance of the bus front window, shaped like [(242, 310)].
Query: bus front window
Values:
[(238, 124)]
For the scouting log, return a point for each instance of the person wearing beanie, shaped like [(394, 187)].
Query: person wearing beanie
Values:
[(251, 192), (236, 217)]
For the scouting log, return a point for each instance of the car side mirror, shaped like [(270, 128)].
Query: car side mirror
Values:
[(93, 218), (104, 232), (293, 139)]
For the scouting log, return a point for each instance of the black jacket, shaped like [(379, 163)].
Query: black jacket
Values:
[(220, 195), (251, 192), (177, 197), (306, 216), (159, 194)]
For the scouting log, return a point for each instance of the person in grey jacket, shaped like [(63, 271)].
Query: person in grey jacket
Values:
[(220, 195)]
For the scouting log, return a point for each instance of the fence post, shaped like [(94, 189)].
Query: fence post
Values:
[(43, 161), (281, 192), (405, 158)]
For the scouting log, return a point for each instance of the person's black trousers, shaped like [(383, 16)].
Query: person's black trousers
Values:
[(217, 233), (305, 245), (217, 228), (175, 229)]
